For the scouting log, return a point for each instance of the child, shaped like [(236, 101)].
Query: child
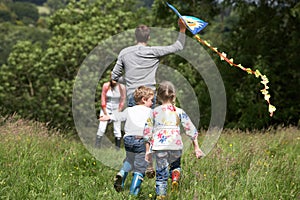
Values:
[(135, 118), (162, 134)]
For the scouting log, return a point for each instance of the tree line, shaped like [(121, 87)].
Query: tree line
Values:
[(37, 78)]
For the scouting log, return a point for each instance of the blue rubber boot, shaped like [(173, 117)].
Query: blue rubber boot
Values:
[(124, 178), (120, 180), (136, 183)]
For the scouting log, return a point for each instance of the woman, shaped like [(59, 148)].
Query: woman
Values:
[(112, 99)]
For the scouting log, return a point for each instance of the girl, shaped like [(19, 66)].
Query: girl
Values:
[(162, 134)]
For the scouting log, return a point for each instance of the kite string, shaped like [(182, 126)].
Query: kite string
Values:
[(264, 79)]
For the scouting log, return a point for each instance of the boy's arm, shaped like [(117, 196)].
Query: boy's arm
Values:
[(104, 118), (119, 116), (116, 116)]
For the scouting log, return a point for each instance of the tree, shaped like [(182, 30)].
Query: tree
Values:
[(26, 12), (20, 77), (256, 40), (76, 30), (5, 14), (10, 34)]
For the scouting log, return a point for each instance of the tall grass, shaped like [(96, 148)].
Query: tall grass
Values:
[(36, 163)]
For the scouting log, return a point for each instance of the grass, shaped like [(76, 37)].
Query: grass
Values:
[(36, 163)]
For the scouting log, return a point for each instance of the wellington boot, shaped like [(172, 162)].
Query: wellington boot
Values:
[(118, 143), (120, 181), (136, 183), (175, 179), (98, 142)]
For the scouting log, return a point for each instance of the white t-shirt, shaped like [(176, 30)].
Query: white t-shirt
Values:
[(135, 118)]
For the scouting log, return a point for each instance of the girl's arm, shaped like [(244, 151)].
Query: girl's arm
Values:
[(148, 132), (148, 155), (192, 132), (148, 129), (199, 153)]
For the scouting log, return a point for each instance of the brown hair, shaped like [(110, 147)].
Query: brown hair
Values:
[(166, 92), (112, 83), (142, 33), (142, 92)]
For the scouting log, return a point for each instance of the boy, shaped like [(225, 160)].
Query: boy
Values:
[(135, 118)]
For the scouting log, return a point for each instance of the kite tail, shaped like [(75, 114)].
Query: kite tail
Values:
[(264, 79)]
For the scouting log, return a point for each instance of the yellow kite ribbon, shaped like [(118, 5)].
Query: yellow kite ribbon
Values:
[(264, 79)]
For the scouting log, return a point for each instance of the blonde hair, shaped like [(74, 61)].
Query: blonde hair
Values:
[(142, 92), (166, 92)]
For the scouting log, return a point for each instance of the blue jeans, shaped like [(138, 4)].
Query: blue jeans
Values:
[(166, 162), (135, 154), (131, 101)]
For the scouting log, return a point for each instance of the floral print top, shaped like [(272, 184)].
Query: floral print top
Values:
[(162, 129)]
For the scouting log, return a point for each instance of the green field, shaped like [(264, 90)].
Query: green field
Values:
[(36, 163)]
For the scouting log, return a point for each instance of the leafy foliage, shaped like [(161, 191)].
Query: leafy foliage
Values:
[(38, 79), (257, 40), (26, 12), (10, 34), (76, 30)]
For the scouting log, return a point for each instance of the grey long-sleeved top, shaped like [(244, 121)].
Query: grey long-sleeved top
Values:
[(140, 63)]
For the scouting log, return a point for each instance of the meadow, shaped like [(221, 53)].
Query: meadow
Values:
[(37, 163)]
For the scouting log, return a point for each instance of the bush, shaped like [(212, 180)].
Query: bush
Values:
[(5, 16), (27, 12)]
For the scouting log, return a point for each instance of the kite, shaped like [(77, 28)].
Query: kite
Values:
[(195, 25)]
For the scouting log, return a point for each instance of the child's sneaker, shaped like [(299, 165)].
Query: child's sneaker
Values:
[(118, 182), (175, 179), (150, 172)]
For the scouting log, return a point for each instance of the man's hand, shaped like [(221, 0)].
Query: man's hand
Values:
[(181, 25)]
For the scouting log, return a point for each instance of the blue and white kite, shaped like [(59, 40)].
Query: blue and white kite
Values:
[(194, 24)]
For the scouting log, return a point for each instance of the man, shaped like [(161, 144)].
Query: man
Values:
[(140, 61)]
